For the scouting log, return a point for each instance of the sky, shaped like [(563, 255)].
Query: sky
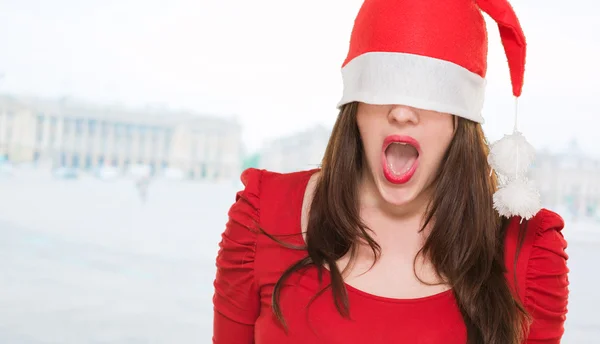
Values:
[(275, 65)]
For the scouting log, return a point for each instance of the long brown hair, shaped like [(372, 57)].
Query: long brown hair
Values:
[(465, 244)]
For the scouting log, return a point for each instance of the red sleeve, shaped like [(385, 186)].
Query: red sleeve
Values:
[(236, 299), (546, 280)]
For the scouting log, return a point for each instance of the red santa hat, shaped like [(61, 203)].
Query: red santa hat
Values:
[(432, 54)]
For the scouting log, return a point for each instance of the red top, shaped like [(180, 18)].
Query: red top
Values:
[(249, 264)]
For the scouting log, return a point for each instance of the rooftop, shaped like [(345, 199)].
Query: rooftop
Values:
[(150, 115)]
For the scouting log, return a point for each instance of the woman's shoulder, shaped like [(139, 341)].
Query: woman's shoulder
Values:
[(544, 229), (536, 262), (271, 201), (534, 245), (545, 224), (273, 189), (265, 181)]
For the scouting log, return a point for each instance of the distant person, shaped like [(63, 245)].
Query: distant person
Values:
[(142, 186), (402, 235)]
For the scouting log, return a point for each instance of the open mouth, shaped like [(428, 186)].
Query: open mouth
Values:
[(400, 158)]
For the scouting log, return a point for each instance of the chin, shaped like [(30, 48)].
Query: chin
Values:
[(397, 195)]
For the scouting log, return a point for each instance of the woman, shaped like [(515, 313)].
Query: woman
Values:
[(401, 236)]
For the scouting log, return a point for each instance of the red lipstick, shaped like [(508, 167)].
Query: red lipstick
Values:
[(389, 174)]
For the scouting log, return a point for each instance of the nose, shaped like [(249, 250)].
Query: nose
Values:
[(402, 114)]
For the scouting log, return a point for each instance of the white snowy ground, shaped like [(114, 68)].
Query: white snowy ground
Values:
[(85, 262)]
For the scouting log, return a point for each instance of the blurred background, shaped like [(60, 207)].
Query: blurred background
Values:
[(124, 127)]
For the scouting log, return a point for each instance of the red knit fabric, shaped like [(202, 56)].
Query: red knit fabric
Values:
[(452, 30), (249, 264), (512, 38)]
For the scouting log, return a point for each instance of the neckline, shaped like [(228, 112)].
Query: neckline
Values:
[(350, 288), (432, 297)]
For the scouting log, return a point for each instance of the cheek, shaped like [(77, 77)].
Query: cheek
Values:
[(367, 130), (438, 141), (444, 137)]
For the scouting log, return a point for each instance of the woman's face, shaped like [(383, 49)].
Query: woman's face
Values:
[(403, 148)]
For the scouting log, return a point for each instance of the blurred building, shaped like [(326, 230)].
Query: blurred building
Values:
[(569, 180), (300, 151), (75, 135)]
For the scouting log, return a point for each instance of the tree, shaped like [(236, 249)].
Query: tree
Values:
[(251, 161)]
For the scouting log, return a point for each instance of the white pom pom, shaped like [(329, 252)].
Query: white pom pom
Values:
[(517, 198), (512, 155)]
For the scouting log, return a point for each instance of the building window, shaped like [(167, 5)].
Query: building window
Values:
[(39, 128), (167, 142), (130, 129), (53, 129), (105, 128), (154, 137), (92, 126), (119, 130), (79, 126), (75, 161), (67, 127)]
